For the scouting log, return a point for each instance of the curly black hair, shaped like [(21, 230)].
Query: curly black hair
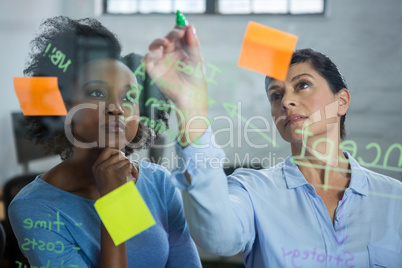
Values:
[(81, 41)]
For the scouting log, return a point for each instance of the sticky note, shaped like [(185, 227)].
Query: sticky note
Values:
[(124, 213), (39, 96), (267, 50)]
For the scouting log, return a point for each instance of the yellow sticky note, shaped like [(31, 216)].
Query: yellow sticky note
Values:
[(39, 96), (267, 50), (124, 213)]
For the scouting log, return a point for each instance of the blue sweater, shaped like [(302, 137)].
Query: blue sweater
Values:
[(55, 228)]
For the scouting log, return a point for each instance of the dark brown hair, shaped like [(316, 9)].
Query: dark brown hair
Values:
[(326, 68)]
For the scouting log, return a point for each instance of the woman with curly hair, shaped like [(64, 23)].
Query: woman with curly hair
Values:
[(53, 217)]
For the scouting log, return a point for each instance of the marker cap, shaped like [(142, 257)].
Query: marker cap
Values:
[(181, 19)]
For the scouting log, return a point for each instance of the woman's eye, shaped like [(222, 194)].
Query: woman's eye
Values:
[(302, 85), (274, 97), (130, 98), (95, 93)]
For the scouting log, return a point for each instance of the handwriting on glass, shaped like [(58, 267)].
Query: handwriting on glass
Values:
[(36, 244), (57, 57), (182, 67), (189, 70), (21, 265), (297, 258)]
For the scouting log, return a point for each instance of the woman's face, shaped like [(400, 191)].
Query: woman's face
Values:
[(106, 91), (303, 98)]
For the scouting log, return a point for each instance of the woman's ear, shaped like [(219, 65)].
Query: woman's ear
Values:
[(344, 101)]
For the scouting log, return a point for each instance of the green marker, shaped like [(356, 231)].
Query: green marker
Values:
[(181, 21)]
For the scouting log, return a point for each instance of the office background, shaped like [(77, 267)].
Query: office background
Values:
[(363, 37)]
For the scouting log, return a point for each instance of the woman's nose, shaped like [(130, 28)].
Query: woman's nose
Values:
[(114, 109), (288, 100)]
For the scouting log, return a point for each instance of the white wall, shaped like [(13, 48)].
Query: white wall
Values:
[(18, 22), (362, 36)]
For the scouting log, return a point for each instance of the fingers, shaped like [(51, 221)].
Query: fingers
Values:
[(174, 36), (128, 169), (110, 157), (155, 51), (152, 58), (168, 43), (132, 175), (111, 170), (134, 170), (157, 43), (106, 154), (193, 44), (194, 50), (117, 162)]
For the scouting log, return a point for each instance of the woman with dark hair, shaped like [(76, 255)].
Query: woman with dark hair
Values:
[(318, 208), (53, 217)]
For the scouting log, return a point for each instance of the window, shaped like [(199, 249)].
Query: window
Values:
[(215, 6), (154, 6)]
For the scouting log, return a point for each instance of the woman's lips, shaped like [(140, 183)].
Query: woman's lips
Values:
[(294, 118), (114, 127)]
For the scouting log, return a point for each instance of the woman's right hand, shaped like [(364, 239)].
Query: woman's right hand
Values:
[(111, 170), (175, 64)]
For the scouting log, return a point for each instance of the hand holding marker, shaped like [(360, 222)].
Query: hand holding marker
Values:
[(176, 59)]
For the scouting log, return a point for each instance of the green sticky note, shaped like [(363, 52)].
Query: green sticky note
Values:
[(124, 213)]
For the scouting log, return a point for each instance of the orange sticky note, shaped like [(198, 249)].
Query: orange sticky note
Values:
[(39, 96), (267, 50)]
